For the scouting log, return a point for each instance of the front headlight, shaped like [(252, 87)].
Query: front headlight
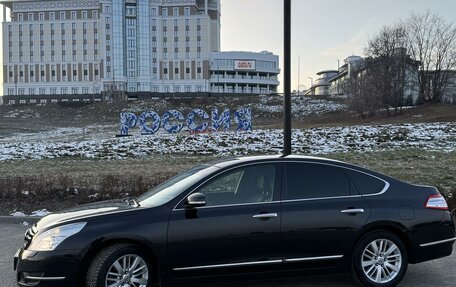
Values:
[(52, 238)]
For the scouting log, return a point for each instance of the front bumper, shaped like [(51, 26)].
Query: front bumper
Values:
[(46, 269)]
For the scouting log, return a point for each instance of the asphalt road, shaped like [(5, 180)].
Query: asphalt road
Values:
[(438, 273)]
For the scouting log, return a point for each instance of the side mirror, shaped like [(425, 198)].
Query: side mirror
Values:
[(196, 200)]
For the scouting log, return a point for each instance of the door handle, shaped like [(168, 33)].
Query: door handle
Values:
[(265, 215), (352, 211)]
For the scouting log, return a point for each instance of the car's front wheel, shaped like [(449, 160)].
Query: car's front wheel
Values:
[(120, 265), (379, 260)]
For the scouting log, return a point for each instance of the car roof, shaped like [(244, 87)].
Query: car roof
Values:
[(250, 159)]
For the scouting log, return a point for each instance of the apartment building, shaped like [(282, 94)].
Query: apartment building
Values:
[(83, 47)]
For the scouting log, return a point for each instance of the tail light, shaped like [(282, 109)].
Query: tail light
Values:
[(436, 201)]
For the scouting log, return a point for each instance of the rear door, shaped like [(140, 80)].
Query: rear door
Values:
[(321, 212)]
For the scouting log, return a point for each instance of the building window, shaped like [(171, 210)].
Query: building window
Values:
[(73, 15), (154, 11), (74, 90), (63, 91), (75, 72), (95, 14), (62, 16), (175, 11), (165, 12), (42, 73), (41, 16), (84, 14), (20, 17), (187, 11), (52, 15), (31, 17)]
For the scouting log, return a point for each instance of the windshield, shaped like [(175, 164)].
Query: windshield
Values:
[(168, 190)]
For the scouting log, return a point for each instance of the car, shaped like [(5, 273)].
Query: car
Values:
[(246, 215)]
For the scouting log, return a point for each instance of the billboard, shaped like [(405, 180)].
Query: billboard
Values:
[(244, 65)]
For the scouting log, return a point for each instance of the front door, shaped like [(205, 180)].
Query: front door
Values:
[(238, 229)]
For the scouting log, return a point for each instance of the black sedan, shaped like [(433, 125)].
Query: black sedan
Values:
[(241, 216)]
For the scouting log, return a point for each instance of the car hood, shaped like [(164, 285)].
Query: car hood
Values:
[(82, 212)]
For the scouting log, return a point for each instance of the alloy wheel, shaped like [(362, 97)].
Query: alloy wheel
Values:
[(381, 261), (128, 271)]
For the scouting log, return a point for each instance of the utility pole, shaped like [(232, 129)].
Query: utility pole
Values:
[(287, 78), (299, 72)]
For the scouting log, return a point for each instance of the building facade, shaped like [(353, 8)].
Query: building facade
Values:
[(356, 68), (244, 73), (321, 85), (71, 47)]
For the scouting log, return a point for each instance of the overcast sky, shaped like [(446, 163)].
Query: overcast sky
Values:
[(322, 31)]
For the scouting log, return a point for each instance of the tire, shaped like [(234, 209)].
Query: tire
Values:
[(379, 260), (114, 259)]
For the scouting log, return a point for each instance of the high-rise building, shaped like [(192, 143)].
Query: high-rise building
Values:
[(71, 50), (89, 46)]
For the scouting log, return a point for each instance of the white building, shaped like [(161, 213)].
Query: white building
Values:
[(57, 49), (244, 72), (88, 46)]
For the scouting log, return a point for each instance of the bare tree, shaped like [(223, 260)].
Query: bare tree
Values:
[(432, 41), (388, 63), (364, 97)]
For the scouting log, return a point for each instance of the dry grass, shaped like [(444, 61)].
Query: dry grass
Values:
[(58, 183)]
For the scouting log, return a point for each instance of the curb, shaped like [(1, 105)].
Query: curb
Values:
[(19, 219)]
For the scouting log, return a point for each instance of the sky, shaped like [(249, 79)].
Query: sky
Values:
[(322, 31)]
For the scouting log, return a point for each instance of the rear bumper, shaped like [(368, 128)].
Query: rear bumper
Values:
[(433, 250), (46, 269), (436, 241)]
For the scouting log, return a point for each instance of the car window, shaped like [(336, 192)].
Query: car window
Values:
[(308, 180), (366, 184), (175, 186), (250, 184)]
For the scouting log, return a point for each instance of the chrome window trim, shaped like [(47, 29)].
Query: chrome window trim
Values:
[(228, 265), (229, 205), (438, 242), (279, 261), (385, 188), (304, 259)]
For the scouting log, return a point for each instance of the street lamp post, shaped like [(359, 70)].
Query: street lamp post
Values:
[(287, 78), (311, 85)]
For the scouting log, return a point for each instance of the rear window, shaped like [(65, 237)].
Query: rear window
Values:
[(366, 184), (307, 181)]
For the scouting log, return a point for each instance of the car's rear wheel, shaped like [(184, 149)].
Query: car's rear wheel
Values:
[(379, 260), (122, 265)]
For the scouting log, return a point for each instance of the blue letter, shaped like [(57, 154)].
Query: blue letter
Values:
[(243, 117), (165, 121), (127, 121), (191, 121), (145, 130), (220, 121)]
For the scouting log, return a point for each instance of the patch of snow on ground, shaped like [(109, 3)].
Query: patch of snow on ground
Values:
[(429, 136), (300, 106), (37, 213), (40, 213)]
